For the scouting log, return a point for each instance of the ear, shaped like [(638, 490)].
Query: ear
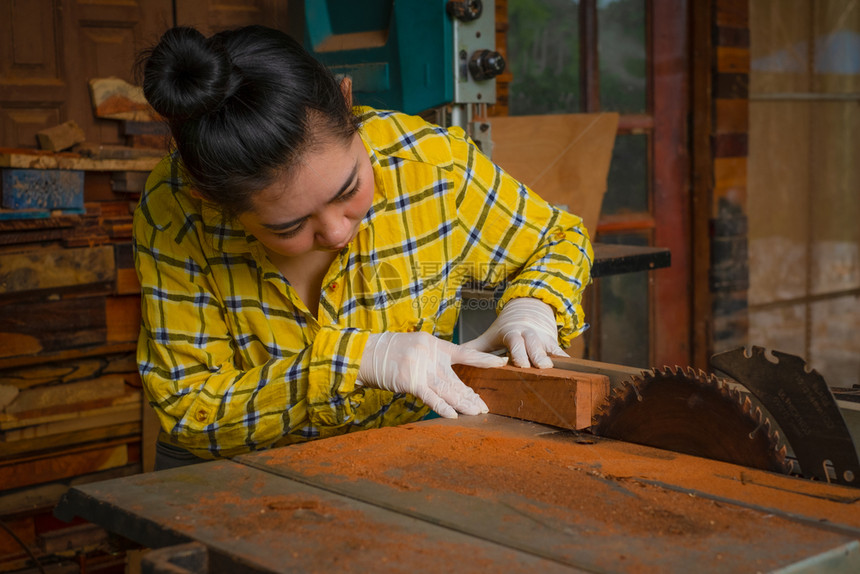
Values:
[(346, 88)]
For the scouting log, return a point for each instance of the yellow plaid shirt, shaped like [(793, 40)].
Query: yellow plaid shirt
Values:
[(231, 358)]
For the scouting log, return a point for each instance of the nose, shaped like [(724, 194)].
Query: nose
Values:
[(335, 230)]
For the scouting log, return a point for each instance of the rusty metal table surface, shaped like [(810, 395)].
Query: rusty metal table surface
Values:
[(482, 493)]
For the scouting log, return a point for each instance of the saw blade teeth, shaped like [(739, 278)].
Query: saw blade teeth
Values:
[(735, 395), (758, 416), (639, 402)]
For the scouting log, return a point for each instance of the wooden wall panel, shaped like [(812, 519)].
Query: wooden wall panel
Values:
[(780, 48), (836, 30), (210, 16)]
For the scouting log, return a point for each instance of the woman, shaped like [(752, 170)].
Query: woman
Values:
[(301, 260)]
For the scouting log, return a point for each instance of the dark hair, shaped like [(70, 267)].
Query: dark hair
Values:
[(243, 106)]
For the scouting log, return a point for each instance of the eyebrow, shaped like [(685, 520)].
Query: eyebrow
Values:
[(343, 189)]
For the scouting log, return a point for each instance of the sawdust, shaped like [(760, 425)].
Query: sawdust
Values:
[(552, 480), (310, 534)]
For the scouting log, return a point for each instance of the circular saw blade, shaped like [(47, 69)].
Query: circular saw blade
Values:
[(693, 413)]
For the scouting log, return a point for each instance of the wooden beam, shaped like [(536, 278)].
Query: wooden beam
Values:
[(63, 136), (56, 269), (557, 397)]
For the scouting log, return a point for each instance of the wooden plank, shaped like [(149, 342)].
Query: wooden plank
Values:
[(127, 282), (671, 202), (731, 86), (702, 40), (24, 528), (73, 462), (116, 99), (123, 318), (58, 398), (731, 145), (618, 374), (132, 128), (46, 496), (32, 159), (561, 398), (39, 269), (74, 538), (149, 434), (109, 417), (89, 409), (129, 181), (61, 137), (56, 373), (118, 152), (732, 13), (731, 116), (42, 189), (36, 327), (8, 393), (563, 158), (729, 173), (16, 362), (31, 236), (54, 442), (58, 222), (737, 37), (733, 60)]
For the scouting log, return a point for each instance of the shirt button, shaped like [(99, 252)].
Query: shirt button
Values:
[(558, 235), (201, 416), (333, 286)]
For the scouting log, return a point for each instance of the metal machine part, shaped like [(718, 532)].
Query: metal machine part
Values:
[(475, 41), (465, 10), (486, 64), (803, 406), (694, 413)]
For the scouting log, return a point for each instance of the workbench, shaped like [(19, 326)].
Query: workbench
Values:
[(478, 494)]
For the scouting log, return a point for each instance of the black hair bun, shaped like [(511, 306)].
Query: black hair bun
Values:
[(187, 75)]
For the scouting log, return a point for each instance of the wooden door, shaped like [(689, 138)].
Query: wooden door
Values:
[(49, 49)]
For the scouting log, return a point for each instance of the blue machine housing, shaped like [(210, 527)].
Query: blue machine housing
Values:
[(399, 53)]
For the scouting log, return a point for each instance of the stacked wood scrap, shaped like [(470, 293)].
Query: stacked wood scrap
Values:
[(71, 405)]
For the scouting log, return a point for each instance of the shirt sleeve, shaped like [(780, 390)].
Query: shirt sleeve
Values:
[(512, 237), (205, 399)]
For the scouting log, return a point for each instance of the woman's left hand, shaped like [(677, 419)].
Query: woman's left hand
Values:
[(527, 328)]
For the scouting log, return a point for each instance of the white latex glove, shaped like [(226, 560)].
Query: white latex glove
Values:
[(527, 327), (420, 364)]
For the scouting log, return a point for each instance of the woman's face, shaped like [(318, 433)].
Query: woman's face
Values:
[(319, 205)]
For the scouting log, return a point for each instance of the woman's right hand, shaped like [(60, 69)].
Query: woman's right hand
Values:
[(420, 364)]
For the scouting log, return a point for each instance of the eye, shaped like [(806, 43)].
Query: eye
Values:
[(349, 194), (292, 232)]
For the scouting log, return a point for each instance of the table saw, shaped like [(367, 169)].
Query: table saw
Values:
[(477, 494)]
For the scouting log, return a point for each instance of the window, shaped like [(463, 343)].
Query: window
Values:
[(601, 55)]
